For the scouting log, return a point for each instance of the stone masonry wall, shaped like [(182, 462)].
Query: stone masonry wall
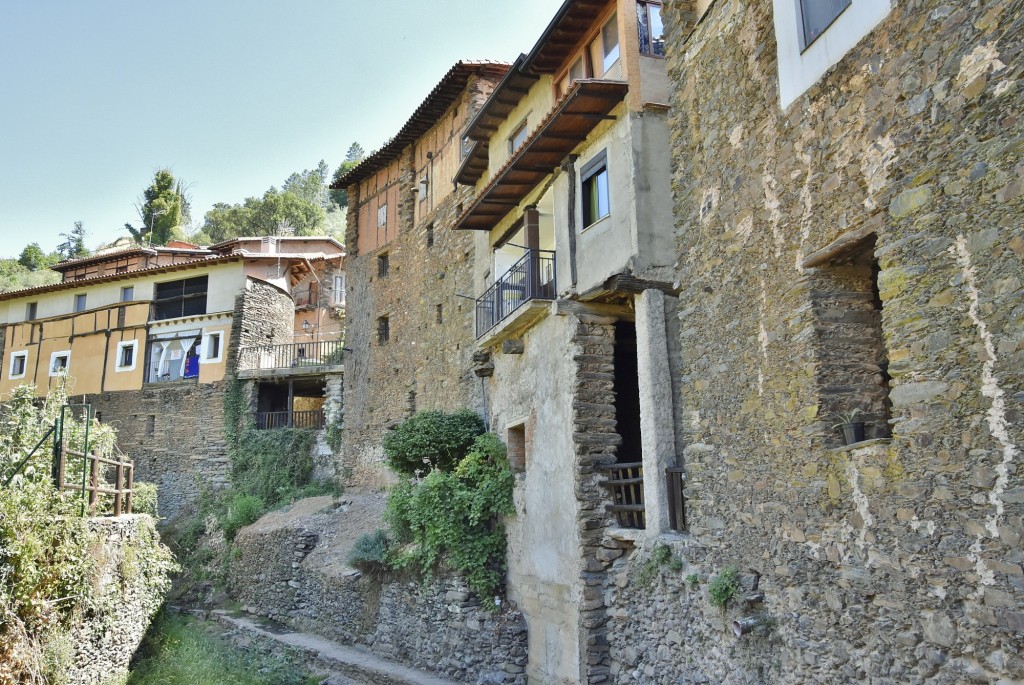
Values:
[(896, 560), (437, 626), (127, 591), (263, 315), (427, 363), (174, 433)]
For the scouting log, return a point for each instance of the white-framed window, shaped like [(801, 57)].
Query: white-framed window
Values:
[(213, 348), (127, 355), (59, 362), (811, 36), (338, 296), (382, 215), (19, 365), (80, 302), (610, 42), (595, 191)]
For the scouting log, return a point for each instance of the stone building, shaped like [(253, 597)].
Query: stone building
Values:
[(410, 314), (848, 193), (575, 312), (151, 335)]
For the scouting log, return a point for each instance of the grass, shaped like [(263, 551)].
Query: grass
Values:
[(182, 650)]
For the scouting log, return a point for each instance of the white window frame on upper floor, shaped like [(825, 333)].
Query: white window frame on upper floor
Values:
[(208, 336), (800, 68), (338, 294), (20, 354), (121, 346)]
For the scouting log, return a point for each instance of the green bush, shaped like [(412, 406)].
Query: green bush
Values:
[(431, 440), (369, 554), (456, 515), (724, 586), (144, 499), (242, 509)]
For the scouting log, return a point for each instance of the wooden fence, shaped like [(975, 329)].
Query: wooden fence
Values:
[(95, 482)]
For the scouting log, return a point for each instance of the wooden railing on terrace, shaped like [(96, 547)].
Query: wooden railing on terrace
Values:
[(290, 355), (626, 484), (266, 420)]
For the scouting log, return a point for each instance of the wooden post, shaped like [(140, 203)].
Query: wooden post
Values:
[(94, 466), (118, 487), (131, 487)]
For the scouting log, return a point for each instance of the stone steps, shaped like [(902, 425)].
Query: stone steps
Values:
[(348, 662)]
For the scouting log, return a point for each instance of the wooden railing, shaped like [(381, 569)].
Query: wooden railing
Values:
[(531, 278), (267, 420), (96, 482), (290, 355), (675, 478), (626, 483)]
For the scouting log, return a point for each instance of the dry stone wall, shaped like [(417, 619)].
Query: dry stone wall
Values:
[(895, 560)]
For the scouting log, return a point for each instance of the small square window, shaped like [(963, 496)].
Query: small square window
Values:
[(80, 300), (382, 216), (127, 352), (31, 311), (383, 330), (213, 347), (19, 365), (59, 362), (594, 182), (127, 293), (383, 265)]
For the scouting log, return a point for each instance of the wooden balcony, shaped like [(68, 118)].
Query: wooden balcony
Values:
[(268, 420)]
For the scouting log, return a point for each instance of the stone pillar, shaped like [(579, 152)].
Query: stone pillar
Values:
[(657, 434)]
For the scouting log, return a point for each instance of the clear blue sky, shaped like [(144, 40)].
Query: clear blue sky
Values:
[(231, 95)]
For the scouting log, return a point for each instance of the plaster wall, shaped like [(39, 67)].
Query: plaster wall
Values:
[(536, 389), (534, 106)]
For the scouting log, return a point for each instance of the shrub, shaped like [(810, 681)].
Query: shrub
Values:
[(457, 516), (724, 586), (369, 554), (431, 440), (144, 499), (242, 510)]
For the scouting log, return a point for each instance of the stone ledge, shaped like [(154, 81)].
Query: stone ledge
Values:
[(863, 444)]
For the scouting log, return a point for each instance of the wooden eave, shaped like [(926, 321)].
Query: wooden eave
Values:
[(559, 40), (447, 91), (567, 125)]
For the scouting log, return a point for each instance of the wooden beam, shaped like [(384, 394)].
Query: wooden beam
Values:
[(614, 311), (846, 245)]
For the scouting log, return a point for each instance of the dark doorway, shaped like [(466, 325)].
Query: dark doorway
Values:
[(627, 392)]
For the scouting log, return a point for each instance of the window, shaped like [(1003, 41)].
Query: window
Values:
[(610, 42), (382, 215), (430, 235), (651, 28), (59, 362), (19, 364), (383, 330), (127, 351), (439, 314), (80, 300), (31, 310), (212, 347), (172, 359), (466, 148), (594, 181), (180, 298), (518, 137), (422, 189), (383, 265), (339, 289), (577, 71), (127, 293), (816, 16), (516, 441), (798, 23)]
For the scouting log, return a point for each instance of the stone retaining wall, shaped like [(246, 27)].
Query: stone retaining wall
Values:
[(438, 626)]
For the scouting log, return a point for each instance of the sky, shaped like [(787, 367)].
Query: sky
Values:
[(231, 95)]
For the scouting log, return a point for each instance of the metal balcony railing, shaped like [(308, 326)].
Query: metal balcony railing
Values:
[(531, 278), (266, 420), (290, 355)]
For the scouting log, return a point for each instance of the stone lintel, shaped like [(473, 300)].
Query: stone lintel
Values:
[(846, 245)]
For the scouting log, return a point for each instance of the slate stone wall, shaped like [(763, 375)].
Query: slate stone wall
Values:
[(897, 560), (427, 297)]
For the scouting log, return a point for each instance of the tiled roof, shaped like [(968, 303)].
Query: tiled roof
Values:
[(426, 115)]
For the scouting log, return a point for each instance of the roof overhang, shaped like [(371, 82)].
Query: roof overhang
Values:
[(587, 104), (573, 19), (445, 93)]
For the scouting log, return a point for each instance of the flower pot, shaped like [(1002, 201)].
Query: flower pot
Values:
[(853, 432)]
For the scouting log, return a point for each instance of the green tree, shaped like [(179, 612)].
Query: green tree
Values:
[(74, 243), (297, 207), (33, 258), (354, 155), (161, 208)]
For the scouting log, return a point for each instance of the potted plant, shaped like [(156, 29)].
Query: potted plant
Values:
[(853, 430)]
